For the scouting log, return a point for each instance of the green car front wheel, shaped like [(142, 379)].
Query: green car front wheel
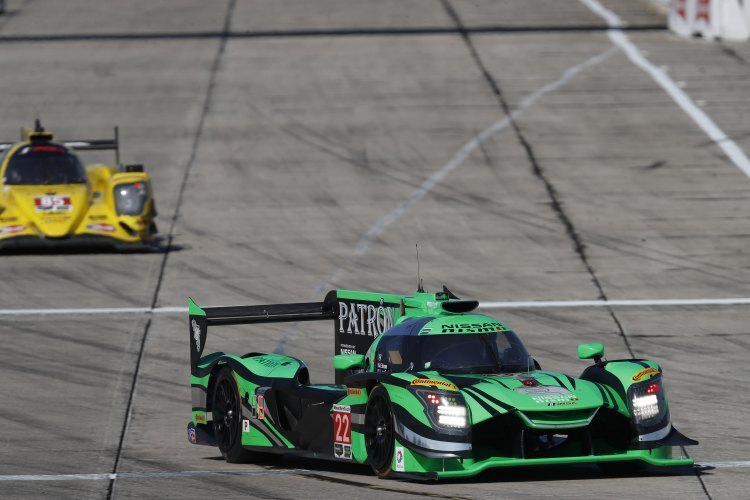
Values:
[(379, 432)]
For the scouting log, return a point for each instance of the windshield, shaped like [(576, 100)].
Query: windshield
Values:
[(495, 352), (46, 164)]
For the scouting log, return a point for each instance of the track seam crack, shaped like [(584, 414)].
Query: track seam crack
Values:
[(556, 204), (170, 235), (698, 475)]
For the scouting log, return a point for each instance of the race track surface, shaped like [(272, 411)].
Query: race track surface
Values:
[(301, 146)]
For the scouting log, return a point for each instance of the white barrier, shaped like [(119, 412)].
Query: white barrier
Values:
[(711, 19)]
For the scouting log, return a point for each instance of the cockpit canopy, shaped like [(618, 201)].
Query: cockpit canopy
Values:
[(461, 344), (47, 163)]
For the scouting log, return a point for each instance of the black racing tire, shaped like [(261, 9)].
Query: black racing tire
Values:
[(227, 418), (379, 432)]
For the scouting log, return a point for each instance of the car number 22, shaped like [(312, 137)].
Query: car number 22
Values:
[(342, 424)]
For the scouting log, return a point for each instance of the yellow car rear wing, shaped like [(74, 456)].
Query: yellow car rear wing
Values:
[(39, 134)]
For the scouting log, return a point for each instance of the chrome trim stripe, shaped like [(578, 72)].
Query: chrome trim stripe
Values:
[(656, 435), (427, 443)]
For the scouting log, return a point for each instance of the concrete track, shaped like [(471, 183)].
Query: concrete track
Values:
[(299, 146)]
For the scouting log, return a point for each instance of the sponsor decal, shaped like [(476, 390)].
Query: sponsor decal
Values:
[(645, 373), (5, 230), (347, 349), (268, 363), (529, 382), (343, 451), (196, 335), (52, 203), (358, 322), (359, 318), (351, 391), (342, 408), (97, 217), (399, 459), (549, 395), (8, 219), (191, 435), (101, 228), (381, 367), (437, 383), (543, 389), (245, 425), (261, 409), (474, 328), (562, 403), (200, 418)]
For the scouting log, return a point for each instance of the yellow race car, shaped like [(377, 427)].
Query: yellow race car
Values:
[(49, 199)]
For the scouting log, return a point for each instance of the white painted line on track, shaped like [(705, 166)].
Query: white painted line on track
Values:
[(230, 473), (374, 231), (148, 475), (614, 302), (684, 101), (729, 301), (93, 310), (724, 465)]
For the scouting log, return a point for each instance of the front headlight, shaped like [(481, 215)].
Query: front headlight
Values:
[(445, 409), (131, 198), (647, 402)]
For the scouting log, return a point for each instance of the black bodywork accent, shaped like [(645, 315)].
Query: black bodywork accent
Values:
[(460, 306), (507, 435), (491, 380), (559, 382), (491, 399), (414, 476), (302, 413), (271, 313), (487, 407), (235, 315), (598, 373), (675, 438), (202, 433)]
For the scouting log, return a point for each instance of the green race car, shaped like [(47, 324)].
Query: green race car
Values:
[(424, 389)]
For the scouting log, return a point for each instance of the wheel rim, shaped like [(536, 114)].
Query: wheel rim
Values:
[(379, 433), (225, 413)]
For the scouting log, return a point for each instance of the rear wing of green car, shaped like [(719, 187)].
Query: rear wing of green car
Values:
[(201, 318), (359, 317)]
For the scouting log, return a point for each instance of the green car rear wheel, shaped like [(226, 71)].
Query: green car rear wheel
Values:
[(227, 416)]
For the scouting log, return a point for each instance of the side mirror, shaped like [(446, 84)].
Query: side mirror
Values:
[(348, 361), (588, 351)]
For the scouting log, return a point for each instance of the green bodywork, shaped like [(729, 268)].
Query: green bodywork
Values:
[(572, 403)]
